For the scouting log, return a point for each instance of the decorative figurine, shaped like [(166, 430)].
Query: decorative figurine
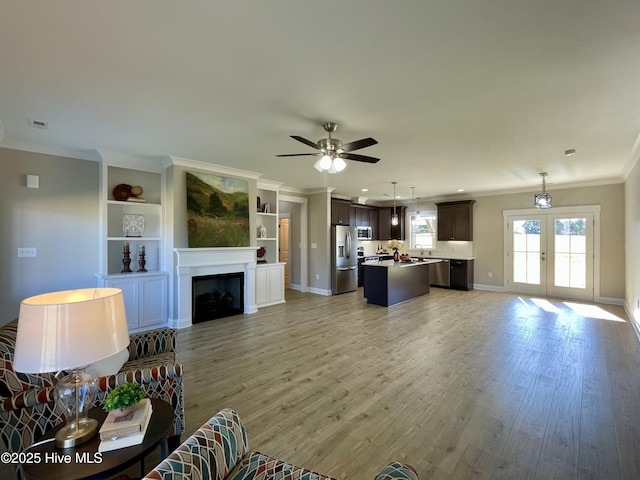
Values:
[(141, 261), (126, 259)]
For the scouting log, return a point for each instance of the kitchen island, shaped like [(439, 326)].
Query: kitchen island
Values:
[(387, 282)]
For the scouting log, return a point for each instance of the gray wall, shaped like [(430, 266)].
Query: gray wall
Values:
[(488, 235), (59, 219), (319, 234)]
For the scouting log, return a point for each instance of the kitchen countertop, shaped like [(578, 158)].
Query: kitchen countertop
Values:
[(453, 258), (392, 264)]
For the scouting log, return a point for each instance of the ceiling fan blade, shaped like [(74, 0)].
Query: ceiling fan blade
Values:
[(299, 154), (306, 142), (359, 158), (365, 142)]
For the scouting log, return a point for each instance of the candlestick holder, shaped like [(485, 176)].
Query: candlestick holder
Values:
[(141, 262), (126, 261)]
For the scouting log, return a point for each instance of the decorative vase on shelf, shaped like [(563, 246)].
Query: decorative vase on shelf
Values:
[(396, 256)]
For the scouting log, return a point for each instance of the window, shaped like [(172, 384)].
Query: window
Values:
[(422, 229)]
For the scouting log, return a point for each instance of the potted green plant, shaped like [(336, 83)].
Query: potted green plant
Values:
[(123, 398)]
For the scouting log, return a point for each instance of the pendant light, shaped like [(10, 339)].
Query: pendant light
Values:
[(542, 200), (394, 217)]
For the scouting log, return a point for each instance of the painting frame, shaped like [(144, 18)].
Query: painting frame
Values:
[(217, 210)]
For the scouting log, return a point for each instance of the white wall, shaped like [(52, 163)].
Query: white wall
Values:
[(59, 219), (632, 245)]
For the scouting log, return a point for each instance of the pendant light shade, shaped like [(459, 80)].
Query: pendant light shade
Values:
[(543, 199), (394, 217)]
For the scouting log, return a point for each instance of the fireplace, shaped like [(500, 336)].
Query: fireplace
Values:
[(191, 263), (217, 296)]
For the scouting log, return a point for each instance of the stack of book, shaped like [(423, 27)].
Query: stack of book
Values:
[(120, 432)]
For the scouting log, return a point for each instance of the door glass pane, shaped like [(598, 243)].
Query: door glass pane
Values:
[(526, 251), (570, 252)]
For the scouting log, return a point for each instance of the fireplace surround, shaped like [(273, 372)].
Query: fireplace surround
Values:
[(200, 262)]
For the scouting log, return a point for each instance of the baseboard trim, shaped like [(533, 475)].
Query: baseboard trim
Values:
[(489, 288), (320, 291), (610, 301), (634, 323)]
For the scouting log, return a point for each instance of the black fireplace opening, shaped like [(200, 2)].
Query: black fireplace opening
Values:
[(217, 296)]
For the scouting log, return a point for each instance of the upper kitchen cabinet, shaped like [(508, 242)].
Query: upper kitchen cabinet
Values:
[(340, 211), (366, 217), (386, 231), (455, 220)]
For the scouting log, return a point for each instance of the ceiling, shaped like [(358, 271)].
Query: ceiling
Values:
[(479, 95)]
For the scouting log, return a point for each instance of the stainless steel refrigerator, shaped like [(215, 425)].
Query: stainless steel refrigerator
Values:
[(344, 265)]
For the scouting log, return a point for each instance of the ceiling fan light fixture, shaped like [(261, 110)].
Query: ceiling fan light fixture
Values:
[(543, 199), (325, 162), (339, 164)]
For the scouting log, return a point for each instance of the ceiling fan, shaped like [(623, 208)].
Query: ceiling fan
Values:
[(333, 152)]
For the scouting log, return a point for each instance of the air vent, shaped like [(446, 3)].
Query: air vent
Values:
[(41, 124)]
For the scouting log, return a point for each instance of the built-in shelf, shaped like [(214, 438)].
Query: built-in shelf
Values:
[(145, 292)]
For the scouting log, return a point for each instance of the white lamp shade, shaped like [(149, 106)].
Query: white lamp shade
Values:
[(339, 164), (69, 329), (325, 162)]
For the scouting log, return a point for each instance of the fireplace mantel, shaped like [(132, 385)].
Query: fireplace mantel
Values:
[(196, 262)]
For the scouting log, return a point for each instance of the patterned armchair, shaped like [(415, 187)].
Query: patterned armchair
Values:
[(219, 450), (27, 401)]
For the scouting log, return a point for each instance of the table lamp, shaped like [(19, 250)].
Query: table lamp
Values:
[(64, 332)]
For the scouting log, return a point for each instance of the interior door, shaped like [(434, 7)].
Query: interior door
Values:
[(283, 242), (551, 254)]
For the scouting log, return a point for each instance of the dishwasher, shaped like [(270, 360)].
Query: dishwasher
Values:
[(440, 273)]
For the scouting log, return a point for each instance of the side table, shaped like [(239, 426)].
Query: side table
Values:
[(85, 462)]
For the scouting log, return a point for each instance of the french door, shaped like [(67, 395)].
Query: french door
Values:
[(551, 254)]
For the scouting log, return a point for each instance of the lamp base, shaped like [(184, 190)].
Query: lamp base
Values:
[(76, 432)]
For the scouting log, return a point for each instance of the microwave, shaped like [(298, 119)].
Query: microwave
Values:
[(364, 233)]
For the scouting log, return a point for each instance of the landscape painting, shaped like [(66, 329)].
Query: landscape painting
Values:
[(217, 211)]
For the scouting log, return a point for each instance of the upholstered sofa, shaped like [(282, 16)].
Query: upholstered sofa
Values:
[(219, 450), (27, 401)]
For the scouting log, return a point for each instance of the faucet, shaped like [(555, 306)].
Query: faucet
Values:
[(421, 249)]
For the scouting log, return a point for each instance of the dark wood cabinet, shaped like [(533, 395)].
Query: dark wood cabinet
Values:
[(455, 220), (363, 216), (374, 222), (340, 212), (461, 275), (386, 231)]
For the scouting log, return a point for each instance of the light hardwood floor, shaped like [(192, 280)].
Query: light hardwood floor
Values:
[(459, 384)]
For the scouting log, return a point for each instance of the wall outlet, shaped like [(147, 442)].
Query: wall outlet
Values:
[(27, 252), (317, 276), (490, 274), (314, 245)]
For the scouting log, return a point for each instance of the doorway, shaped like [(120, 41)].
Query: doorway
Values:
[(552, 253), (283, 243), (294, 208)]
